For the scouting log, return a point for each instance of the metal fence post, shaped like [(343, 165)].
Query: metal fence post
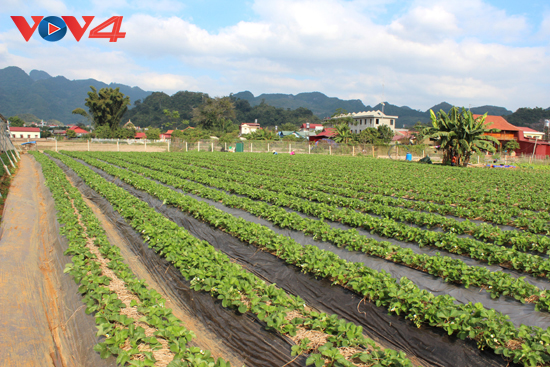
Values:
[(5, 167)]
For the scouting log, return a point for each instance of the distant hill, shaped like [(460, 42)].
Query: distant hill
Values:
[(323, 106), (320, 104), (49, 97)]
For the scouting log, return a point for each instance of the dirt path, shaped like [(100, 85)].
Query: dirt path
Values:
[(27, 314), (42, 318), (204, 339)]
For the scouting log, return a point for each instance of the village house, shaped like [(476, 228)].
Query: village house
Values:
[(248, 127), (367, 119), (24, 132)]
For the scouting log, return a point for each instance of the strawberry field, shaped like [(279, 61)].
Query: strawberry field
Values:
[(312, 260)]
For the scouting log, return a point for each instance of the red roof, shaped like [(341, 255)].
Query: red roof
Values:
[(311, 126), (329, 131), (25, 129), (401, 135), (250, 124), (78, 130), (498, 122), (169, 132), (140, 136)]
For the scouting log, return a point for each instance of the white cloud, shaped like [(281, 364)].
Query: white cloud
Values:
[(462, 52), (26, 7)]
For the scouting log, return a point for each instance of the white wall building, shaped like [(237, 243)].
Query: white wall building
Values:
[(369, 119), (24, 132), (248, 127)]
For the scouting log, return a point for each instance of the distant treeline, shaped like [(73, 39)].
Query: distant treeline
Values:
[(150, 111)]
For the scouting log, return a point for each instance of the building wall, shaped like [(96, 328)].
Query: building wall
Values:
[(363, 123), (245, 129), (25, 135)]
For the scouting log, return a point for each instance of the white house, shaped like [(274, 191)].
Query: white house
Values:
[(314, 128), (369, 119), (248, 127), (24, 132)]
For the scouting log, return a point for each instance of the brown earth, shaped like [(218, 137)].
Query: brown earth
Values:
[(204, 339), (29, 319)]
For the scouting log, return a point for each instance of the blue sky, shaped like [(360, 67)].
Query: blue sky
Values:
[(415, 52)]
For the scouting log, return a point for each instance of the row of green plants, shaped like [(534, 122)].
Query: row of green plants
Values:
[(443, 185), (447, 204), (527, 344), (212, 271), (451, 242), (117, 329), (310, 190), (451, 270)]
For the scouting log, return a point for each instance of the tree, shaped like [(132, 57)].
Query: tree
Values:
[(174, 116), (16, 121), (45, 132), (511, 145), (385, 133), (288, 126), (71, 134), (153, 134), (104, 132), (214, 114), (106, 107), (343, 133), (262, 134), (420, 130), (459, 134), (369, 136)]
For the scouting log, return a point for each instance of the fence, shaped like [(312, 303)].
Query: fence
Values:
[(6, 146), (263, 146)]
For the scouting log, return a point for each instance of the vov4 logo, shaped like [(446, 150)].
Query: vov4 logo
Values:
[(53, 29)]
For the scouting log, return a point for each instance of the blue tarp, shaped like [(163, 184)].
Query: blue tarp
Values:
[(29, 142)]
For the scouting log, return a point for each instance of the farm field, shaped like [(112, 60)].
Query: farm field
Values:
[(217, 259)]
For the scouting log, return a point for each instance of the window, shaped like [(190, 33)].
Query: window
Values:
[(377, 121), (391, 122)]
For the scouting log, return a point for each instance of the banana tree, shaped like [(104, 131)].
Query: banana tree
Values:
[(343, 133), (460, 134)]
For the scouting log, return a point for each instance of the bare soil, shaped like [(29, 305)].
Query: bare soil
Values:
[(204, 339)]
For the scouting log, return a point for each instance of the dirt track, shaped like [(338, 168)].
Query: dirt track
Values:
[(42, 318), (28, 316)]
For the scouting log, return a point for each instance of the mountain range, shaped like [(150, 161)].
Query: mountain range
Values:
[(324, 106), (47, 97)]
